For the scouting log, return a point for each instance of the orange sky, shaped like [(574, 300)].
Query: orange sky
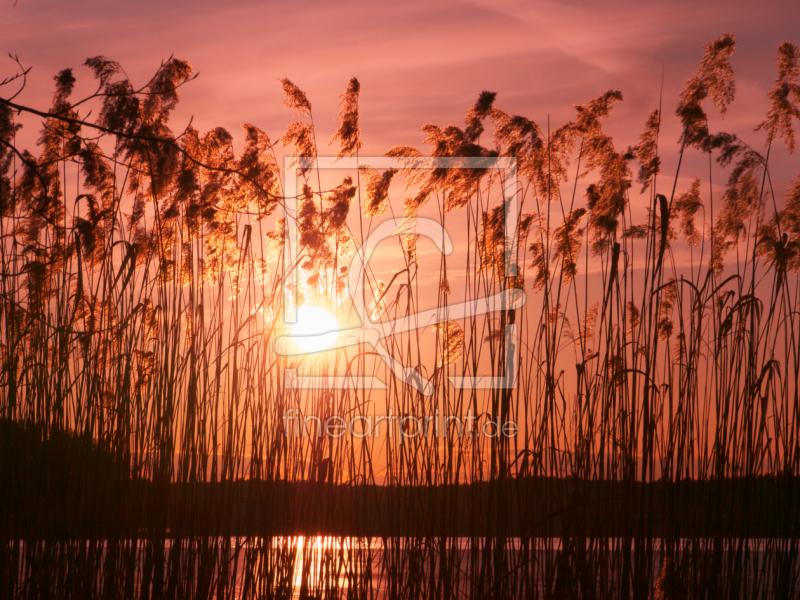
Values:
[(418, 62)]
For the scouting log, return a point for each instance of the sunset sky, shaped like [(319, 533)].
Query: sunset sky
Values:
[(424, 62), (418, 62)]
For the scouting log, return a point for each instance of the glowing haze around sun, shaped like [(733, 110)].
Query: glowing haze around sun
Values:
[(315, 328)]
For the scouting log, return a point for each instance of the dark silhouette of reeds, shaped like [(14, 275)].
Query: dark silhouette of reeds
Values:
[(141, 404)]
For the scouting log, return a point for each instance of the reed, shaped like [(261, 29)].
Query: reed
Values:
[(145, 451)]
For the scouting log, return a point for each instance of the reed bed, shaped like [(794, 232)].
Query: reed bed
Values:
[(143, 276)]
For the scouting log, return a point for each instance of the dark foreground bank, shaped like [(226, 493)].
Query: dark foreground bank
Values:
[(65, 488)]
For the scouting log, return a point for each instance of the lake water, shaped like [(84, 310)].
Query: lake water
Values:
[(336, 567)]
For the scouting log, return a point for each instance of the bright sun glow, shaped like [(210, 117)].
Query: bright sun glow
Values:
[(315, 329)]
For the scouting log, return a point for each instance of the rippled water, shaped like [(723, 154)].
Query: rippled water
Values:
[(342, 567)]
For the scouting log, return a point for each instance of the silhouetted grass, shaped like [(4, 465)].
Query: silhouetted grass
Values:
[(141, 294)]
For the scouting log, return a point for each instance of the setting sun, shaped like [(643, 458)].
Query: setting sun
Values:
[(315, 329)]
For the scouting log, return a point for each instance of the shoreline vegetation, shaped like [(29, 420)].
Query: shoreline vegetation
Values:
[(67, 488), (142, 401)]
